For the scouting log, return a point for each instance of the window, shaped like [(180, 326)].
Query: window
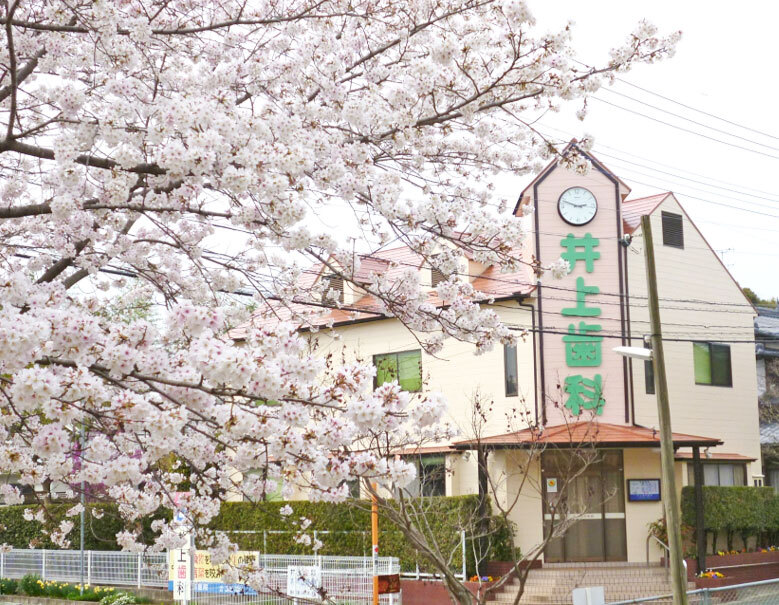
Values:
[(334, 288), (649, 376), (436, 277), (431, 476), (673, 234), (510, 370), (712, 364), (405, 367), (353, 485), (716, 473)]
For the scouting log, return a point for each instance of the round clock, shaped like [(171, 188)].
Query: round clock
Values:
[(577, 206)]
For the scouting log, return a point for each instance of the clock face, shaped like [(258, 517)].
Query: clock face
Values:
[(577, 206)]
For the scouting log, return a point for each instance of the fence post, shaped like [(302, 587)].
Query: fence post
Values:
[(2, 564), (89, 567), (43, 565), (139, 570), (265, 541), (462, 539)]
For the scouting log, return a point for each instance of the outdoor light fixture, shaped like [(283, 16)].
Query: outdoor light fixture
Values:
[(634, 352)]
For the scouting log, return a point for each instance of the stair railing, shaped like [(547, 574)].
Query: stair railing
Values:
[(651, 537)]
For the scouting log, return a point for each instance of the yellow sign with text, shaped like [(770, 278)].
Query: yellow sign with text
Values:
[(206, 571)]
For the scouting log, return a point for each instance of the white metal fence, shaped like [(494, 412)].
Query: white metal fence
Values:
[(345, 580), (100, 567)]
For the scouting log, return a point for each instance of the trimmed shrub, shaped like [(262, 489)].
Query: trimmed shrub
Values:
[(100, 533), (348, 525), (746, 511)]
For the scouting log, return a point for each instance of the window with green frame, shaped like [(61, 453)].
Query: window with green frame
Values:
[(405, 367), (712, 364)]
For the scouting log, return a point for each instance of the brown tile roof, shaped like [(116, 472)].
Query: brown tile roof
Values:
[(633, 210), (595, 433), (430, 449), (393, 262), (715, 456)]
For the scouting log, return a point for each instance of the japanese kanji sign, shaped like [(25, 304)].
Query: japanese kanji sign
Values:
[(582, 342)]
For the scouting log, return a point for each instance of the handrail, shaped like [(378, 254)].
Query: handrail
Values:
[(667, 550)]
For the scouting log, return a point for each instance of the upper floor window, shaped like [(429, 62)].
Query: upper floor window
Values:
[(436, 277), (334, 288), (649, 376), (510, 371), (712, 364), (717, 473), (405, 367), (673, 234)]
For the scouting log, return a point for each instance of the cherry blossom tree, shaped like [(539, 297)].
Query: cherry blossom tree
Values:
[(139, 136)]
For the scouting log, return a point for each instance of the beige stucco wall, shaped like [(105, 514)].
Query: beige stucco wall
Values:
[(456, 371), (694, 273)]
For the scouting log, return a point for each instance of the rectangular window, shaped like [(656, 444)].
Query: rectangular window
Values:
[(510, 370), (673, 234), (431, 476), (334, 288), (649, 376), (716, 473), (712, 364), (436, 277), (405, 367)]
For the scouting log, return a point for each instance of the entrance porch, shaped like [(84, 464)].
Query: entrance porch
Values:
[(594, 486)]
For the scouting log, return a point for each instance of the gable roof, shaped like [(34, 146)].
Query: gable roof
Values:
[(633, 210), (491, 283), (551, 165)]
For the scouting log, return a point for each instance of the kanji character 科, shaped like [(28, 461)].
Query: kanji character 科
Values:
[(584, 394)]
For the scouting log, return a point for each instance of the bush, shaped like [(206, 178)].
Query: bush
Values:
[(100, 533), (350, 525), (32, 585), (8, 586), (747, 511)]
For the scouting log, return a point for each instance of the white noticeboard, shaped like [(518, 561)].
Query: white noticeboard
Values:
[(181, 574), (304, 581), (592, 595)]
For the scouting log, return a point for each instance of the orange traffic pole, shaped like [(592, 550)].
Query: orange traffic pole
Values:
[(375, 540)]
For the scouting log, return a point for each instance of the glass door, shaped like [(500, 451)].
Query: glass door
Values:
[(584, 494)]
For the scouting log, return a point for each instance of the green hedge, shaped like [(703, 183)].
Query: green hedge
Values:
[(344, 529), (747, 511), (348, 525), (100, 533)]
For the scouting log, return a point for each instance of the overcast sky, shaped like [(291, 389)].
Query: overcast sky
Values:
[(725, 65)]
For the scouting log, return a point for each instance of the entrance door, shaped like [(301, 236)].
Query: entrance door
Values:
[(586, 493)]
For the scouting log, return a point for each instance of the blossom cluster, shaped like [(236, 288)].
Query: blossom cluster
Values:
[(136, 132)]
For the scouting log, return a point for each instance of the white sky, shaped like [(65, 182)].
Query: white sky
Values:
[(724, 65)]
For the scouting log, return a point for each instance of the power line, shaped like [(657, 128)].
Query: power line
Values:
[(681, 117), (700, 134), (706, 113)]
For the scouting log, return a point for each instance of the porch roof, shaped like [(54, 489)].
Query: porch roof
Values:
[(578, 434), (716, 457)]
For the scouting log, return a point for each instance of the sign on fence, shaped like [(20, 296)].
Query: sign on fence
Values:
[(304, 581), (180, 576)]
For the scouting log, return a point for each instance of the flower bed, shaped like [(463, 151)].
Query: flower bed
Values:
[(32, 586)]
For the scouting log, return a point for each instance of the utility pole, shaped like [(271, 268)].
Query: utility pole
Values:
[(375, 540), (671, 499)]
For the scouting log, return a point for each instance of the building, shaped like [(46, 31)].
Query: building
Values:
[(564, 372), (767, 354)]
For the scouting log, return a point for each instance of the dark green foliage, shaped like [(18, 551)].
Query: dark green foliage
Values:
[(100, 533), (349, 527), (344, 529), (8, 586), (748, 511), (31, 585)]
